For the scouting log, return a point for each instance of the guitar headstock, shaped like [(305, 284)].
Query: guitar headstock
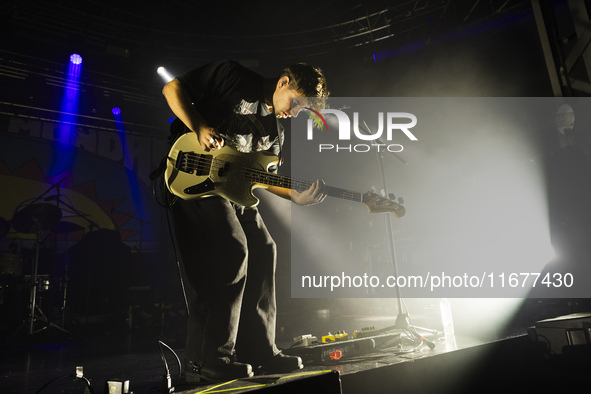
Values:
[(378, 204)]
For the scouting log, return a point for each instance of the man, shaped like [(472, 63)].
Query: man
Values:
[(228, 254)]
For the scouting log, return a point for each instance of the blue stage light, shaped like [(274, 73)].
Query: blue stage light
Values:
[(130, 160), (65, 131), (76, 58)]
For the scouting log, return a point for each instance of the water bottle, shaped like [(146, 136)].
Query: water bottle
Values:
[(446, 318)]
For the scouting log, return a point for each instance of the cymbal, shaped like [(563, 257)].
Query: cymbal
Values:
[(36, 217), (67, 227)]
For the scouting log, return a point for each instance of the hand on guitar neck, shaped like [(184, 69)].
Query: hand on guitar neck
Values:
[(315, 194)]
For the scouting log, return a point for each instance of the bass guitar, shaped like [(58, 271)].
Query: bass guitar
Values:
[(193, 173)]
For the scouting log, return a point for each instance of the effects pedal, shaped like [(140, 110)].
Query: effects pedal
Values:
[(365, 332), (331, 338), (305, 340)]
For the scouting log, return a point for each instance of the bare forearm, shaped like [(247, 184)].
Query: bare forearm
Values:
[(180, 103), (281, 192)]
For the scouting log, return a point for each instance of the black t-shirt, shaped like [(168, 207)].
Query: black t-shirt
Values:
[(230, 99)]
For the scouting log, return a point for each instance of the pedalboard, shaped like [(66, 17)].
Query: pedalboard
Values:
[(335, 347)]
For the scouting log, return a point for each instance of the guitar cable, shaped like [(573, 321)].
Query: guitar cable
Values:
[(167, 205), (158, 178), (178, 263)]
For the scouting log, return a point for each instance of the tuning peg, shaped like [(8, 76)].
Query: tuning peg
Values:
[(400, 200), (392, 196)]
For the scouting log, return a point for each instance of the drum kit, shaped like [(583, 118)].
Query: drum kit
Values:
[(36, 217)]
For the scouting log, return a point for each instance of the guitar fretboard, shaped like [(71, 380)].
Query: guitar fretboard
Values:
[(266, 178), (299, 185)]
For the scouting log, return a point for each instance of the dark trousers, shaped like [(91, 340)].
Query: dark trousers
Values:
[(229, 258)]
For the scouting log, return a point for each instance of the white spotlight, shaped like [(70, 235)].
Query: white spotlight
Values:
[(164, 74)]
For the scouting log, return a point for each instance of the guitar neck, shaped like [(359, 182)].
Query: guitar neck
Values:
[(283, 181)]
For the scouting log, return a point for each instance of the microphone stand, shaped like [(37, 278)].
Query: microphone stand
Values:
[(142, 223), (402, 319), (57, 185), (34, 309)]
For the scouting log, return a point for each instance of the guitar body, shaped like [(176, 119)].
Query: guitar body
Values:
[(192, 173)]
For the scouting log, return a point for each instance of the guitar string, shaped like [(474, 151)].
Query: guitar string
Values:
[(266, 178), (203, 164)]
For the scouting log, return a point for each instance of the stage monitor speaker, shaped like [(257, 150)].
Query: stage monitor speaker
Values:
[(562, 332), (325, 382)]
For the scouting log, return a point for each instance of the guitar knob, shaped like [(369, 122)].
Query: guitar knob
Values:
[(392, 196), (400, 200)]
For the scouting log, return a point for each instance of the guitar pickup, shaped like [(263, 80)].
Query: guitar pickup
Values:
[(224, 170), (193, 163)]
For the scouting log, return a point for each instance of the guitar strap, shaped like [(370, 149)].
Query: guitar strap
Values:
[(159, 170), (177, 127), (253, 119)]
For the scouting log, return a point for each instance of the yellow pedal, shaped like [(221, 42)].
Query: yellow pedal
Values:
[(330, 338)]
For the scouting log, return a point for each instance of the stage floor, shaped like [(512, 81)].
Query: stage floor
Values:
[(26, 370), (462, 363)]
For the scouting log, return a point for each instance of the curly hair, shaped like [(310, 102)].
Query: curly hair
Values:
[(307, 80)]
